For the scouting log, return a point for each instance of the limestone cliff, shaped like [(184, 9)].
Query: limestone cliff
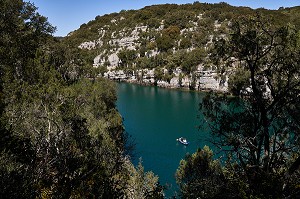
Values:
[(165, 45)]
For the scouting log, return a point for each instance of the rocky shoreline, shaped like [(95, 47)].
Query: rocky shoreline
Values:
[(200, 80)]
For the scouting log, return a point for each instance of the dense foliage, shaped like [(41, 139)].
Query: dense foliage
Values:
[(60, 135), (258, 133), (155, 36), (258, 55), (199, 175)]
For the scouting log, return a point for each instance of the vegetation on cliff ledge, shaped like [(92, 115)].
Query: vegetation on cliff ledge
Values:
[(61, 135)]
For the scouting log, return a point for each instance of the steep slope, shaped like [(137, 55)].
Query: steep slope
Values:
[(165, 45)]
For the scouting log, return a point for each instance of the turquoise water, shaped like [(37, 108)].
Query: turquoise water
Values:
[(155, 118)]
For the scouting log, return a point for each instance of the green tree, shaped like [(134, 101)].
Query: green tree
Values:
[(164, 43), (180, 18), (127, 57), (261, 130), (193, 83), (144, 184), (181, 76), (199, 176), (158, 75), (239, 81), (22, 31), (172, 31), (185, 43), (60, 135), (71, 63), (153, 23), (200, 39), (192, 60)]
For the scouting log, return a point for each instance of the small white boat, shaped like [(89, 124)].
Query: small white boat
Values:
[(183, 141)]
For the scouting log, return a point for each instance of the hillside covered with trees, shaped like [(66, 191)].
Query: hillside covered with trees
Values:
[(166, 45), (61, 135), (253, 54), (258, 133)]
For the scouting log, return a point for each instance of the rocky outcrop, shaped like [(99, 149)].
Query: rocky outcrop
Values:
[(89, 45), (203, 80), (130, 38)]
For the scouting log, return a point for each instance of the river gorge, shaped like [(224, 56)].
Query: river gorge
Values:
[(155, 117)]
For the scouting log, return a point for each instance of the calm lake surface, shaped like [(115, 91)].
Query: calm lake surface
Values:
[(155, 118)]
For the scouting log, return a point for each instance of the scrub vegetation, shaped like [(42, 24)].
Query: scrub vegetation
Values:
[(61, 135), (173, 41), (258, 133)]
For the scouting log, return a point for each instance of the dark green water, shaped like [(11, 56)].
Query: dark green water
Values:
[(155, 117)]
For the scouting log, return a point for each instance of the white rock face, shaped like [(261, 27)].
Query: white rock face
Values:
[(113, 59), (186, 82), (129, 38), (174, 83), (125, 42), (209, 82), (97, 61), (89, 45), (151, 53), (206, 79), (114, 21)]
